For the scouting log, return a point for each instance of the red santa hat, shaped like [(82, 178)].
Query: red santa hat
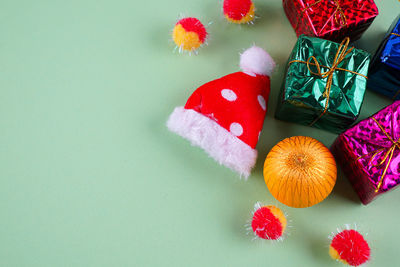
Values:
[(225, 116)]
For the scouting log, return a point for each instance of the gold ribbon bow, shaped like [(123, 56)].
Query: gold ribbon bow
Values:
[(342, 20), (341, 54), (389, 151)]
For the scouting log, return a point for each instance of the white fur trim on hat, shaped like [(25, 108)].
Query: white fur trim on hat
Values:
[(219, 143), (257, 61)]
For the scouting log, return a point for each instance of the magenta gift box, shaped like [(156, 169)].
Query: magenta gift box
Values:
[(369, 153)]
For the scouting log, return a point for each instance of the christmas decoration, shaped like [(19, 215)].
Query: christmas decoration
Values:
[(331, 19), (189, 34), (300, 171), (239, 11), (225, 116), (349, 247), (324, 84), (384, 74), (369, 153), (268, 222)]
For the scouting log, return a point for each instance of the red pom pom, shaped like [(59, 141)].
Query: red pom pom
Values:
[(350, 247), (268, 222), (239, 11), (194, 25)]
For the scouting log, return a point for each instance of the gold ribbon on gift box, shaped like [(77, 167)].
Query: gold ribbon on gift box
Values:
[(340, 17), (396, 34), (389, 151), (341, 54)]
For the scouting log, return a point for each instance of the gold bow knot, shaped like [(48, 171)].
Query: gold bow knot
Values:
[(341, 54)]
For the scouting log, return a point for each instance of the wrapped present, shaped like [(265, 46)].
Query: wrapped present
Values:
[(331, 19), (385, 65), (369, 153), (324, 84)]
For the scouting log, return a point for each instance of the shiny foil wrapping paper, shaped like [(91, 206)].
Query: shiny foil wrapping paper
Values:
[(365, 151), (331, 19), (385, 67), (302, 99)]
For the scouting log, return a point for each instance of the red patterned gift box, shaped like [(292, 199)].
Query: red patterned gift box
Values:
[(331, 19), (369, 153)]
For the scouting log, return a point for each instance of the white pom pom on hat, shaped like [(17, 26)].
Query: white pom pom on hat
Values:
[(256, 60)]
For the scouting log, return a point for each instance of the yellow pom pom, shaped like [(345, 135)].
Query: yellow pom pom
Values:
[(189, 34), (185, 40)]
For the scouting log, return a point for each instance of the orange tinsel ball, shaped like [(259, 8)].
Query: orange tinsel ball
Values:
[(300, 171)]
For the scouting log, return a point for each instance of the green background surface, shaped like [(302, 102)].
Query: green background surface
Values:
[(89, 174)]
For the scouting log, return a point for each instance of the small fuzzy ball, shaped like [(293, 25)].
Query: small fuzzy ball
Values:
[(350, 247), (239, 11), (269, 222), (189, 34), (256, 60)]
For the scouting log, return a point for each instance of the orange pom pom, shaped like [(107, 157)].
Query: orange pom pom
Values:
[(300, 171)]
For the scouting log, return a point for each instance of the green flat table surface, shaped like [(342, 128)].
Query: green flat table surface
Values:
[(89, 173)]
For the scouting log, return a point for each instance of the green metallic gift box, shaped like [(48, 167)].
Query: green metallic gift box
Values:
[(324, 84)]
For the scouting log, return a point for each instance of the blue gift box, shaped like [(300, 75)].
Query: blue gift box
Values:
[(384, 74)]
